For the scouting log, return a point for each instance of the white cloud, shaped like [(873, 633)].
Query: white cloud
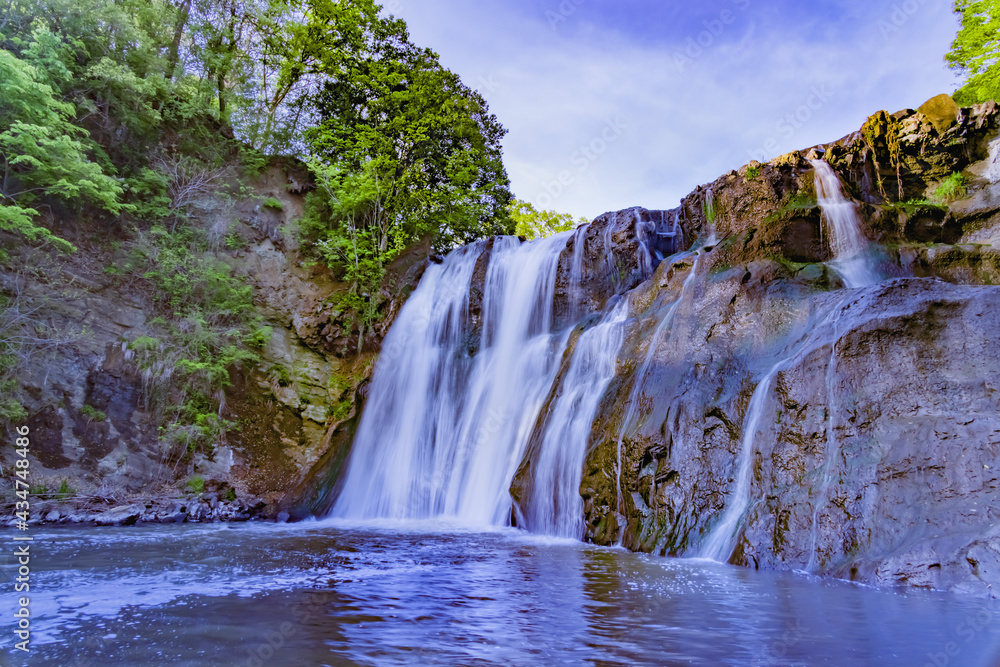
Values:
[(556, 90)]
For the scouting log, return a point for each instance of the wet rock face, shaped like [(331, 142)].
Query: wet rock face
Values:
[(875, 459), (611, 256)]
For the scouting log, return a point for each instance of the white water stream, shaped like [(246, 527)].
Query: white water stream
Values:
[(449, 419), (854, 259)]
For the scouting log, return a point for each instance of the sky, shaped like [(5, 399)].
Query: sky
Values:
[(618, 103)]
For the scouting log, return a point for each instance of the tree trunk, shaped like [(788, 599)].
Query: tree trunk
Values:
[(183, 11)]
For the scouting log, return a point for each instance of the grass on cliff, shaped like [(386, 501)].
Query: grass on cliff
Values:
[(206, 326), (950, 189)]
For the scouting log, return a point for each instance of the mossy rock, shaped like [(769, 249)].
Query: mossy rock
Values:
[(941, 111)]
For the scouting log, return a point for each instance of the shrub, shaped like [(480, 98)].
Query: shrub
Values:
[(273, 203), (65, 491), (92, 413), (950, 189), (207, 325), (196, 485)]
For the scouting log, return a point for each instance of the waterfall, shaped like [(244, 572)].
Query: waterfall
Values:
[(721, 540), (450, 416), (555, 506), (576, 296), (445, 429), (633, 399), (719, 544), (853, 259)]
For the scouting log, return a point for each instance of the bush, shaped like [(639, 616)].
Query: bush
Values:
[(196, 485), (92, 413), (950, 189), (274, 204), (65, 491), (207, 325)]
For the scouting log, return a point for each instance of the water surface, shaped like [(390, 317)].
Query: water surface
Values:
[(324, 594)]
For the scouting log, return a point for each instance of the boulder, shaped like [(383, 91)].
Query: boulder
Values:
[(941, 111)]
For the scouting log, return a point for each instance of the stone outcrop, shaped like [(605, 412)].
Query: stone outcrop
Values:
[(875, 456), (92, 430)]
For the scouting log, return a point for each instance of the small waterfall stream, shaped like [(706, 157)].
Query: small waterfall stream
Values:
[(722, 538), (853, 259), (633, 400), (719, 544), (555, 506)]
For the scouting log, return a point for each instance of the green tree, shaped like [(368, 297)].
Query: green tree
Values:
[(976, 50), (402, 149), (43, 156), (534, 224), (390, 107)]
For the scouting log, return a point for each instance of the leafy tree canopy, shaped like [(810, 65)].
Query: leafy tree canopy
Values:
[(534, 224), (976, 50)]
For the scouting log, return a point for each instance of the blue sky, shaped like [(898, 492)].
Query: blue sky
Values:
[(611, 104)]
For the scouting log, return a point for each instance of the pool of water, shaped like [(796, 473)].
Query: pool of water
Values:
[(325, 594)]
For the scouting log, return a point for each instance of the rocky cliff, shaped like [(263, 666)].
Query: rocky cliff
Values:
[(95, 441), (873, 455)]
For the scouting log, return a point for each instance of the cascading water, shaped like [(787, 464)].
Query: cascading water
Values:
[(719, 544), (856, 263), (633, 400), (554, 506), (721, 540), (576, 297), (448, 422), (444, 431), (853, 259), (831, 450)]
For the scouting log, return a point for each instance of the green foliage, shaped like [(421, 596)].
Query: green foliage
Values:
[(92, 413), (388, 112), (800, 201), (11, 409), (752, 172), (43, 156), (913, 206), (196, 485), (65, 491), (19, 334), (346, 225), (127, 113), (280, 375), (708, 207), (273, 203), (208, 325), (533, 224), (950, 189), (975, 53), (794, 205), (38, 490), (230, 495)]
